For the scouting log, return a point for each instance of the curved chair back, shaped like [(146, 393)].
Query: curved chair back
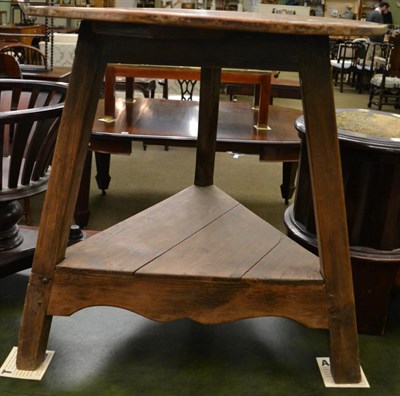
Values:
[(24, 54), (9, 67), (30, 113)]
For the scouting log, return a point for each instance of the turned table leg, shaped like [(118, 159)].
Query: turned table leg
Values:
[(289, 171)]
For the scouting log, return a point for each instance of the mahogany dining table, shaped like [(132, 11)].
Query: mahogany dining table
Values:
[(174, 123), (199, 254)]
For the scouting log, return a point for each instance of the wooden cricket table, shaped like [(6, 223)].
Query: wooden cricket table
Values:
[(199, 254)]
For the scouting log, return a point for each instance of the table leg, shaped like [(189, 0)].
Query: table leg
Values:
[(82, 212), (129, 87), (103, 171), (109, 91), (329, 207), (263, 102), (289, 171), (164, 85), (208, 125), (68, 162)]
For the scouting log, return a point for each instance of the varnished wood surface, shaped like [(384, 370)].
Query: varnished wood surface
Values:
[(217, 20), (58, 73), (174, 123), (20, 257), (257, 77), (371, 180), (177, 120), (22, 33), (371, 175), (185, 73)]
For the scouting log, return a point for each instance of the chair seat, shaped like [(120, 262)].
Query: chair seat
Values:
[(21, 191), (341, 65), (367, 68), (390, 82), (198, 254)]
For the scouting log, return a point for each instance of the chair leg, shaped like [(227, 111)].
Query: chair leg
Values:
[(27, 211), (371, 95), (335, 76), (360, 82), (397, 103), (341, 80), (289, 171), (103, 171), (380, 101)]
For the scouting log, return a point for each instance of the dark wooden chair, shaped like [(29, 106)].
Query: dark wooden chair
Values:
[(362, 68), (384, 85), (345, 62), (26, 55), (30, 112), (9, 67)]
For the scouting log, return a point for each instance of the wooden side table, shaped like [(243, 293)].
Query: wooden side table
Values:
[(199, 254), (371, 170), (24, 34)]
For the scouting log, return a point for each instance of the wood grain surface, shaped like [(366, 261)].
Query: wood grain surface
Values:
[(217, 20)]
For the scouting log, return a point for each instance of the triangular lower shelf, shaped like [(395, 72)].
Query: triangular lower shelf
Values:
[(198, 254)]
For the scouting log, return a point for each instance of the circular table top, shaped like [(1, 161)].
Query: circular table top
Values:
[(370, 123), (362, 126), (216, 20)]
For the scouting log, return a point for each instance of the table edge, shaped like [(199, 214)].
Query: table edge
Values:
[(216, 20)]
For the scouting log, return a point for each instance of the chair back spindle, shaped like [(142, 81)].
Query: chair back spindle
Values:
[(30, 113), (385, 84), (28, 123)]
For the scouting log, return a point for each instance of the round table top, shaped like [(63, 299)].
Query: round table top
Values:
[(217, 20), (362, 126), (370, 123)]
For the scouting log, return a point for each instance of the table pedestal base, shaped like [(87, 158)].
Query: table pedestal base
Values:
[(374, 275)]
